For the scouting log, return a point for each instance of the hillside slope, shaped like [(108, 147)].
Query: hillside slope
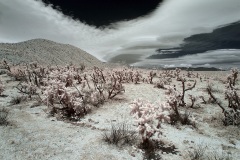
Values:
[(46, 52)]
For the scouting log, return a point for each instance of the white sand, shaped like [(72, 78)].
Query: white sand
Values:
[(33, 135)]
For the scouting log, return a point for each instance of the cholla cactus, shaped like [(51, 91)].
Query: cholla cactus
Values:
[(232, 112), (5, 64), (161, 83), (27, 88), (72, 102), (231, 78), (193, 100), (149, 117), (177, 72), (233, 99), (77, 92), (151, 76)]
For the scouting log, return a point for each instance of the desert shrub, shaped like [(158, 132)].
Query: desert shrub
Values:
[(4, 113), (161, 83), (3, 71), (174, 100), (68, 103), (232, 78), (82, 66), (18, 73), (151, 76), (193, 100), (1, 88), (152, 148), (73, 94), (27, 89), (184, 89), (198, 152), (18, 99), (231, 112), (220, 156), (5, 65), (120, 134), (202, 152)]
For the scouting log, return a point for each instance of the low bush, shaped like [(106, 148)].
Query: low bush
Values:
[(198, 152), (120, 134), (18, 99), (4, 113), (1, 88)]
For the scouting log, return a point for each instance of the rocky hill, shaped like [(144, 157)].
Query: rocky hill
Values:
[(47, 52)]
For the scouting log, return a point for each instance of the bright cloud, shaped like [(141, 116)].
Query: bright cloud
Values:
[(172, 21)]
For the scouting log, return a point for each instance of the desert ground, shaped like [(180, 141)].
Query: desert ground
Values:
[(36, 125)]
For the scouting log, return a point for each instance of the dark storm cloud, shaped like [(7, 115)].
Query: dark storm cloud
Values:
[(104, 12), (225, 37)]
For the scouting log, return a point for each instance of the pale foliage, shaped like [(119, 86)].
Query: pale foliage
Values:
[(149, 117)]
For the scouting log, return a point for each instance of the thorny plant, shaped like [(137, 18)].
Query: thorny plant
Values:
[(149, 118), (74, 94), (4, 116), (176, 99), (232, 110), (1, 88), (232, 78)]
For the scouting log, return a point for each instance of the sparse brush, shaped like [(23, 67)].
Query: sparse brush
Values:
[(231, 113), (74, 94), (18, 99), (220, 156), (4, 113), (187, 120), (232, 78), (120, 134), (1, 88), (161, 84), (5, 64), (152, 148), (174, 100), (198, 152), (18, 73), (82, 66), (151, 76), (193, 100), (27, 89), (184, 89)]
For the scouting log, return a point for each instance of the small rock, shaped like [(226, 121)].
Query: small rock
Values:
[(185, 141), (132, 154)]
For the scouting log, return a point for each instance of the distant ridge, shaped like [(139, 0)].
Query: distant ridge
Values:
[(184, 68), (47, 52)]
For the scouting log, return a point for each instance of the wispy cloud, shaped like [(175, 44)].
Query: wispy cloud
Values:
[(172, 21)]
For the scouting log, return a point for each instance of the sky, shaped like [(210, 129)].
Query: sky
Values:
[(135, 31), (104, 12)]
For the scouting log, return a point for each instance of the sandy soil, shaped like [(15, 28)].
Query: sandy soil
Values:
[(32, 134)]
